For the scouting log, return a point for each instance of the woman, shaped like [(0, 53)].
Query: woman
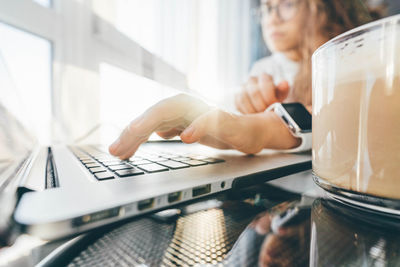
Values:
[(294, 28)]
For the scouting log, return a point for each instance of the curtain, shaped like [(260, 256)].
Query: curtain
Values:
[(211, 41)]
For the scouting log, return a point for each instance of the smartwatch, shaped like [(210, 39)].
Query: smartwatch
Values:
[(298, 120)]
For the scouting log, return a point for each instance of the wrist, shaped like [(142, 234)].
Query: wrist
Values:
[(276, 135), (248, 135)]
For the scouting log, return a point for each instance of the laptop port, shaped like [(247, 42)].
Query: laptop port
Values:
[(97, 216), (201, 190), (223, 185), (146, 204), (173, 197)]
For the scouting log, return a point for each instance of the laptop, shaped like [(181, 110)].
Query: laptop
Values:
[(62, 190)]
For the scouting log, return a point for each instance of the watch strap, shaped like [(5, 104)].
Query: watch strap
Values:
[(306, 138)]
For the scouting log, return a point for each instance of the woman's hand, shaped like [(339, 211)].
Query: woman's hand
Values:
[(288, 247), (259, 93), (194, 121)]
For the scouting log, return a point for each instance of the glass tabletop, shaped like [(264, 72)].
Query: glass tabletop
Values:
[(259, 226), (325, 233)]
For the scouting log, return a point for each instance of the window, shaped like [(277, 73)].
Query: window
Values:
[(28, 60)]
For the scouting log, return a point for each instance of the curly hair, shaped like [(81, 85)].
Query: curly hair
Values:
[(325, 19)]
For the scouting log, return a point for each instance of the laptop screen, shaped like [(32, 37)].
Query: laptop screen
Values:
[(15, 140)]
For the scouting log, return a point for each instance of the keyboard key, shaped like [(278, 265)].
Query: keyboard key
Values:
[(85, 158), (160, 159), (152, 167), (143, 161), (153, 158), (174, 164), (168, 156), (92, 165), (142, 155), (140, 162), (97, 169), (108, 160), (120, 167), (96, 155), (213, 160), (133, 158), (130, 172), (182, 159), (104, 175), (87, 161), (199, 157), (194, 162), (165, 154), (175, 156), (101, 159), (112, 163)]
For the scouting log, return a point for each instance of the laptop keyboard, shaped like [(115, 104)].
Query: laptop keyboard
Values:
[(104, 166)]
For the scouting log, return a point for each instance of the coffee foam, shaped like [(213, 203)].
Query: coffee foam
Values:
[(376, 52)]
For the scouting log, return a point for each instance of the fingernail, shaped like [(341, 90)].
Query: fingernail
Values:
[(113, 148), (188, 132)]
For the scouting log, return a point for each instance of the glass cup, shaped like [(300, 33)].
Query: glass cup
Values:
[(356, 116)]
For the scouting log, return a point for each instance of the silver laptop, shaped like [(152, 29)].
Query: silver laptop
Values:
[(57, 191)]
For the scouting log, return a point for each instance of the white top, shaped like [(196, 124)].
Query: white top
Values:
[(279, 67)]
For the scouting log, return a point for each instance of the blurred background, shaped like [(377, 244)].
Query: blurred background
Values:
[(77, 65)]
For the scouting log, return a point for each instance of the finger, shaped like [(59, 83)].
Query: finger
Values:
[(256, 98), (131, 150), (238, 103), (282, 91), (254, 94), (159, 117), (242, 102), (174, 112), (212, 142), (132, 136), (267, 89), (246, 103), (293, 231), (169, 134), (216, 123), (252, 81)]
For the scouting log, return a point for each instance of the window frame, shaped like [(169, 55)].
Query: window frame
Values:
[(93, 40)]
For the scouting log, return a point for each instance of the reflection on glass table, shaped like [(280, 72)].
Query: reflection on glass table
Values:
[(278, 237), (331, 235), (345, 236), (271, 228)]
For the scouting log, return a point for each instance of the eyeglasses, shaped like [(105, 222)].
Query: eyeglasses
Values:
[(285, 10)]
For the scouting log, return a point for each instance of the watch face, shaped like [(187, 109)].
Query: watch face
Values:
[(300, 115)]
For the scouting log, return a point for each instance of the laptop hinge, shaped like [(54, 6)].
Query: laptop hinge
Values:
[(51, 172), (22, 190)]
